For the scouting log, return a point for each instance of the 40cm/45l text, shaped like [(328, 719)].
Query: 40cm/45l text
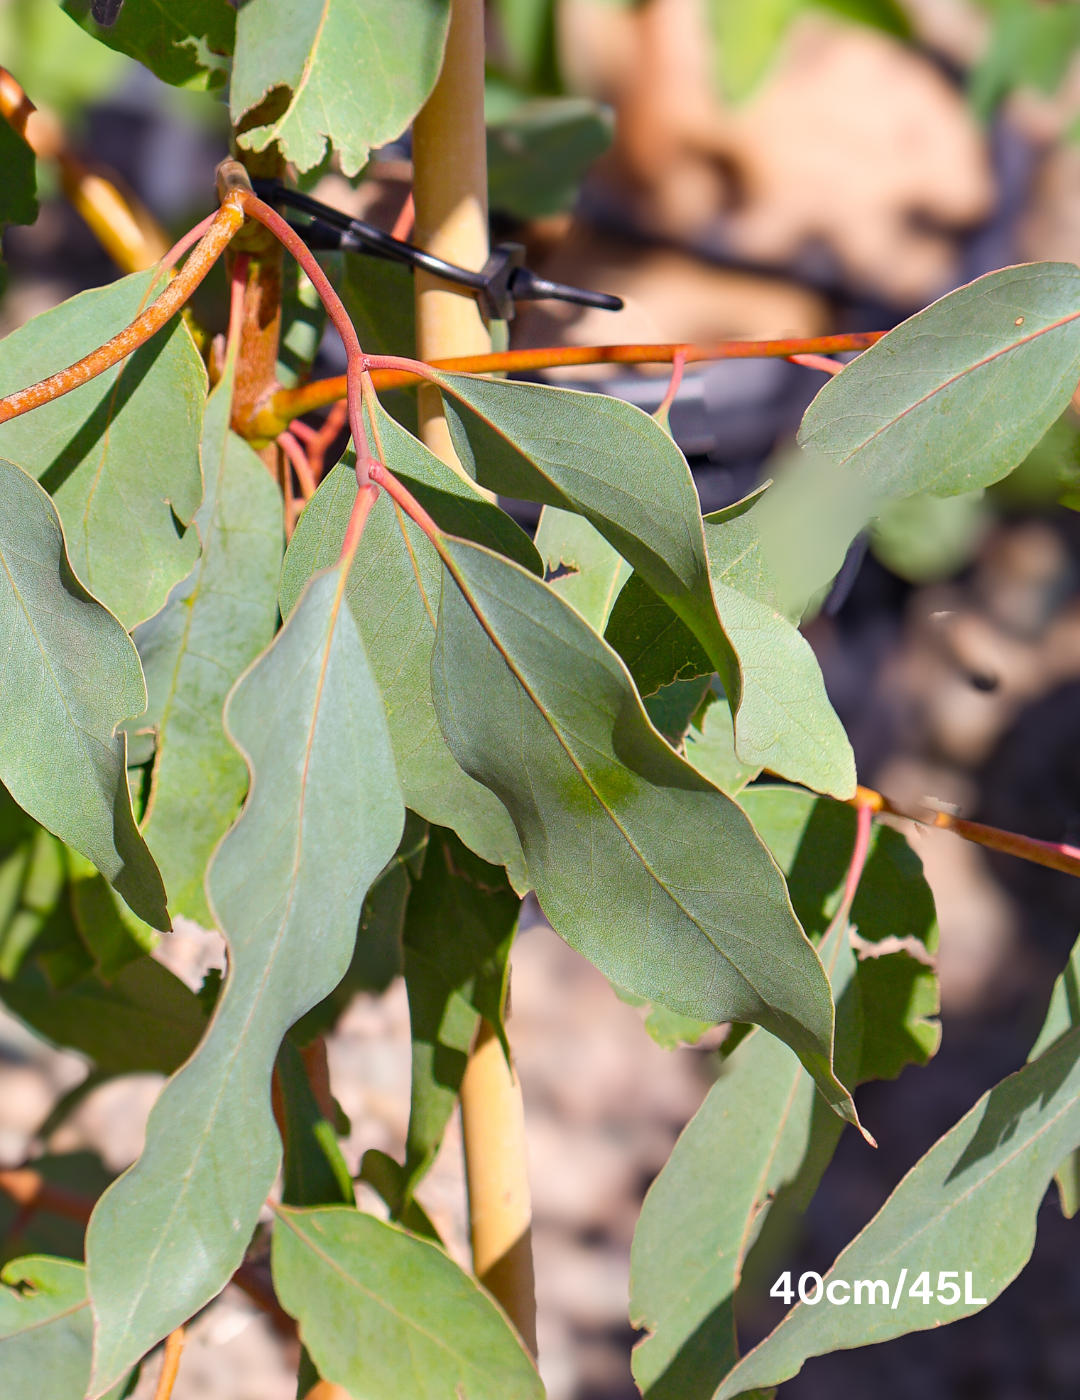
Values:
[(838, 1291)]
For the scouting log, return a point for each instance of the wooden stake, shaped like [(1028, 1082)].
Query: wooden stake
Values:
[(500, 1209), (450, 193)]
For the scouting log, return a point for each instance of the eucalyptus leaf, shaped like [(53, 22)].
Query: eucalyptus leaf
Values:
[(45, 1329), (18, 189), (632, 853), (71, 675), (957, 396), (323, 816), (184, 42), (710, 748), (383, 1313), (811, 839), (314, 1171), (605, 460), (126, 494), (580, 564), (1062, 1015), (656, 645), (393, 594), (968, 1206), (213, 626), (760, 1142), (539, 153), (352, 78)]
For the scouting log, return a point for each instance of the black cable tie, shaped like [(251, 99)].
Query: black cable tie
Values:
[(503, 280)]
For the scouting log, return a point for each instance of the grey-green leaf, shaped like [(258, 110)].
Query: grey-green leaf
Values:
[(357, 73), (323, 816), (783, 718), (384, 1313), (120, 455), (394, 597), (759, 1143), (539, 153), (580, 564), (957, 396), (1062, 1015), (214, 625), (603, 459), (656, 645), (45, 1329), (314, 1172), (184, 42), (968, 1207), (70, 676), (637, 860)]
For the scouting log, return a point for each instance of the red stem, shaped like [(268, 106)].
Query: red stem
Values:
[(178, 249), (820, 362), (298, 457), (678, 365)]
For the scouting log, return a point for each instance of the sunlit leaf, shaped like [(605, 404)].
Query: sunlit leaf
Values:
[(70, 676), (384, 1313), (394, 596), (637, 860), (185, 42), (323, 816), (213, 626), (580, 564), (120, 454), (958, 395), (352, 78)]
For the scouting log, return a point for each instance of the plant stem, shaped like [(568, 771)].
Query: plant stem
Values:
[(174, 1346), (391, 373), (450, 195), (1054, 855), (226, 222)]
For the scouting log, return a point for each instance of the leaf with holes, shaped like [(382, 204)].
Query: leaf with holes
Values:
[(185, 42), (580, 564), (323, 816), (349, 77)]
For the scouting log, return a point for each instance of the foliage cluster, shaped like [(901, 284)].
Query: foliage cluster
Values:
[(355, 756)]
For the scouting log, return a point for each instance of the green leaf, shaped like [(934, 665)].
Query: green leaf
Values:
[(383, 1313), (958, 395), (656, 645), (378, 296), (18, 187), (184, 42), (710, 748), (783, 719), (393, 594), (71, 674), (811, 839), (580, 564), (926, 539), (213, 626), (605, 460), (693, 913), (113, 935), (286, 885), (460, 923), (144, 1020), (759, 1143), (1062, 1015), (673, 707), (314, 1170), (539, 154), (969, 1206), (45, 1329), (303, 321), (356, 76), (745, 40), (126, 495)]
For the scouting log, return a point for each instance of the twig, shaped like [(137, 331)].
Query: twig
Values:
[(678, 364), (299, 459), (180, 247), (225, 224), (1054, 855), (393, 373), (820, 362), (174, 1346)]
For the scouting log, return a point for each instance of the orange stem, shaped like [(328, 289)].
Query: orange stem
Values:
[(1054, 855), (226, 222), (290, 403), (820, 362), (174, 1346)]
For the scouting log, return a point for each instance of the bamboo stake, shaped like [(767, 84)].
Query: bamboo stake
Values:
[(450, 192), (500, 1209)]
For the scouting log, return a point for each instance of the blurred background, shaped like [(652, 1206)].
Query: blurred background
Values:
[(731, 168)]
